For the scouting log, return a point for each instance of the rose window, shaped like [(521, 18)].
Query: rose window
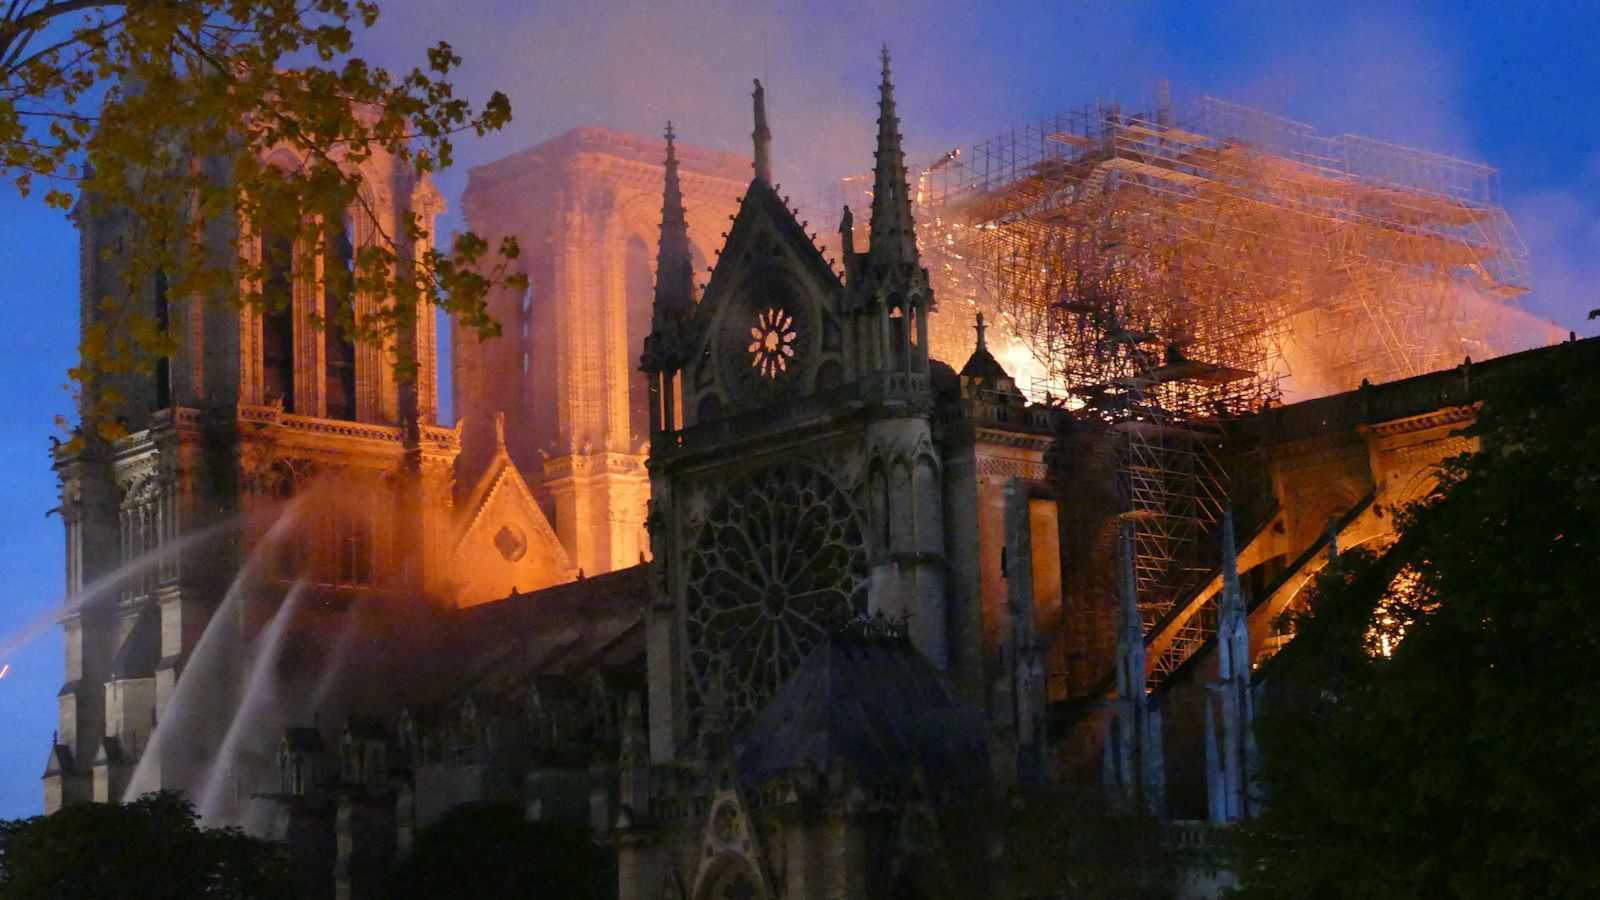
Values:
[(778, 563), (772, 342)]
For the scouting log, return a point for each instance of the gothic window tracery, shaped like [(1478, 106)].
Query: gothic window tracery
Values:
[(766, 342), (772, 341), (778, 562)]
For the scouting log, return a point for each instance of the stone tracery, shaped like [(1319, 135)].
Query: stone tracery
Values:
[(778, 562)]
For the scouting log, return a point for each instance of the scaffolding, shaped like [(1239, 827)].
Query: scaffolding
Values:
[(1169, 271)]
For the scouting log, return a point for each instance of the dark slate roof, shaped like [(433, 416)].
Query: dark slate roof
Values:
[(111, 752), (141, 649), (60, 761), (982, 364), (592, 624), (878, 705)]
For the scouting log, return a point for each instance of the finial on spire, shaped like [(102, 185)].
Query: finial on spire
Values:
[(762, 135), (500, 430), (981, 328)]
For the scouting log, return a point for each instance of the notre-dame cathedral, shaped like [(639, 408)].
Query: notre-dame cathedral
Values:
[(745, 577)]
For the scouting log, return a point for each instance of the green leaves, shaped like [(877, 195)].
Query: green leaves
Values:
[(1460, 766), (150, 849), (189, 122)]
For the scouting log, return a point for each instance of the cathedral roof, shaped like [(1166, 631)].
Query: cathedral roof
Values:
[(874, 703), (582, 626), (982, 364)]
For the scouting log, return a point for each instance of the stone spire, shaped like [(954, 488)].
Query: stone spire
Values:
[(980, 328), (1232, 596), (1135, 773), (1230, 717), (893, 240), (674, 263), (1130, 625), (762, 136)]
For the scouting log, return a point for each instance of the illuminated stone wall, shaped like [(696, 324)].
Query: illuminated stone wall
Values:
[(586, 210)]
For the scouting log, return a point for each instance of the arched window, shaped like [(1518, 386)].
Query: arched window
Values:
[(638, 300), (338, 303), (163, 322), (277, 318), (897, 334)]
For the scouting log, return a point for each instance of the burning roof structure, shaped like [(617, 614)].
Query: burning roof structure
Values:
[(1170, 271)]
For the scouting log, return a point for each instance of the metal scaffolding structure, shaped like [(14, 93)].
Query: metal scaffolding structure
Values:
[(1169, 271)]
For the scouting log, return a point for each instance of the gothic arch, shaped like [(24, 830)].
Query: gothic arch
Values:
[(730, 877)]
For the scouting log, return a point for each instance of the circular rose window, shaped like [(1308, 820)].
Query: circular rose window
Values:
[(772, 342), (779, 562)]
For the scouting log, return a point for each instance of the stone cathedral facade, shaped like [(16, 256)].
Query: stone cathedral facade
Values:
[(744, 578)]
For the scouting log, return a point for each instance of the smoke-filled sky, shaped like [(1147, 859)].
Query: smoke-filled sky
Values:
[(1507, 84)]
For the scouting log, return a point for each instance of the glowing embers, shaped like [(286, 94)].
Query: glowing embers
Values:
[(772, 342), (1404, 602)]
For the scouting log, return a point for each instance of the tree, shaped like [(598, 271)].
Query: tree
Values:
[(150, 849), (164, 110), (1432, 729), (493, 851)]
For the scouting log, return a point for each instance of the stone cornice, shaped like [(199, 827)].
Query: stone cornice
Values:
[(434, 438), (618, 145), (1439, 418), (1031, 440), (604, 462)]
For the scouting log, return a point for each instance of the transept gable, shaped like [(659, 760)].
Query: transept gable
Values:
[(505, 544), (768, 326)]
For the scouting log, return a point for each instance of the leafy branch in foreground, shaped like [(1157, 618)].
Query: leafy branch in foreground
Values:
[(198, 123), (1431, 730)]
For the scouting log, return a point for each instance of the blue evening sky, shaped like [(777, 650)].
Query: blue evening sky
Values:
[(1507, 84)]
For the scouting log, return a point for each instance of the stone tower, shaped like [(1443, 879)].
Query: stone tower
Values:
[(792, 411), (585, 209), (257, 407)]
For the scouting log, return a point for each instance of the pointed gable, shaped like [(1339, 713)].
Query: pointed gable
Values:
[(768, 326), (505, 543)]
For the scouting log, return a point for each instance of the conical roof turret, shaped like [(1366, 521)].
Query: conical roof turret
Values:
[(674, 294)]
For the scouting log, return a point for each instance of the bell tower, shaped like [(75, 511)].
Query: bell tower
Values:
[(585, 208)]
